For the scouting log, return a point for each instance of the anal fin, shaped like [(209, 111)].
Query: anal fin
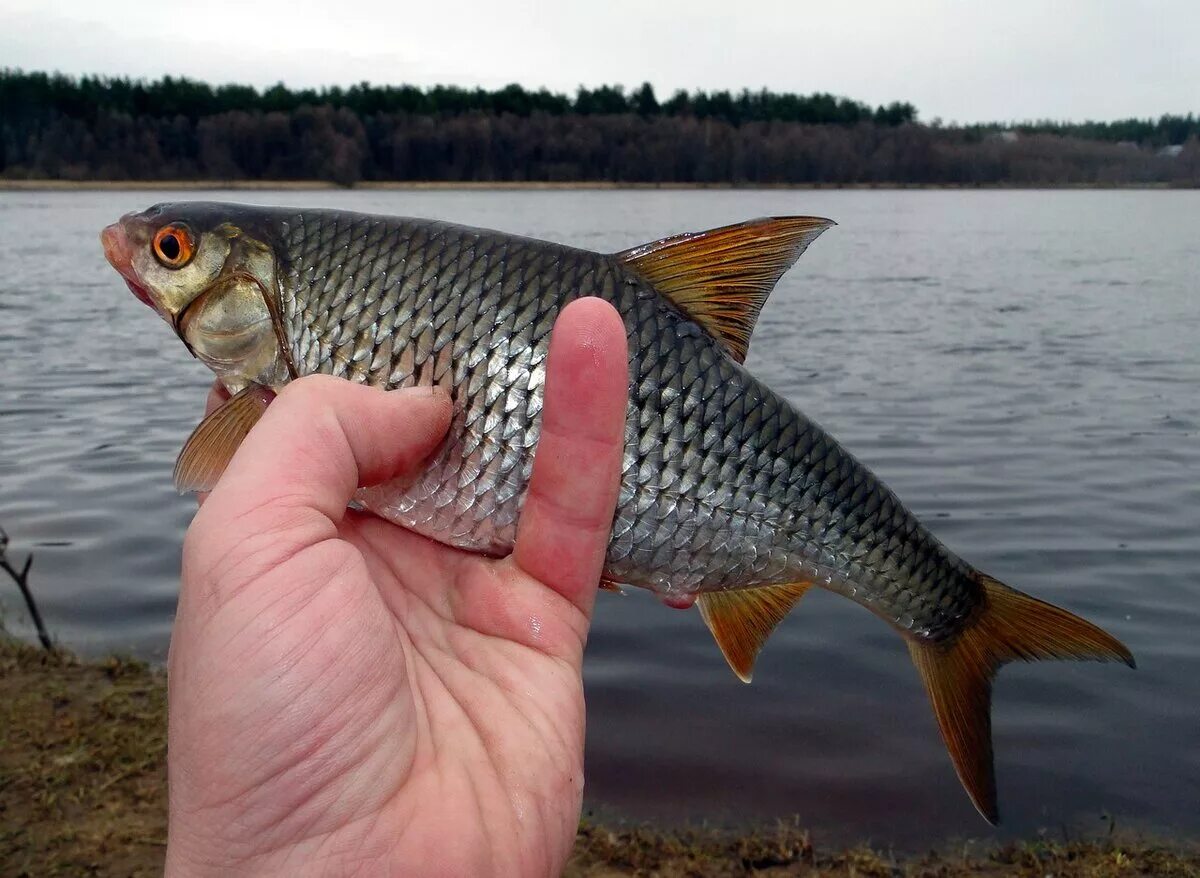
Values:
[(212, 444), (743, 619)]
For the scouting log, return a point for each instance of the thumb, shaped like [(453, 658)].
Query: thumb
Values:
[(288, 485)]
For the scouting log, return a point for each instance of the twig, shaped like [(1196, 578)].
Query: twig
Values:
[(22, 581)]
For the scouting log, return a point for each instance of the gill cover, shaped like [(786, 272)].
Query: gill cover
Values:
[(232, 329)]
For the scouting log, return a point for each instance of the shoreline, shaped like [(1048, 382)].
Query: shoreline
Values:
[(83, 791), (20, 185)]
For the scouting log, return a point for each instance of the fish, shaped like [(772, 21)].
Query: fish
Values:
[(730, 496)]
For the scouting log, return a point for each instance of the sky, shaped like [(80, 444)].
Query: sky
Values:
[(957, 60)]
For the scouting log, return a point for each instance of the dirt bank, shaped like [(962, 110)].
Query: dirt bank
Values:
[(83, 792)]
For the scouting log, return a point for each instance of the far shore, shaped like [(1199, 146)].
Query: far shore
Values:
[(20, 185), (83, 792)]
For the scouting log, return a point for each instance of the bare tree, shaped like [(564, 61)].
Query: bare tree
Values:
[(21, 578)]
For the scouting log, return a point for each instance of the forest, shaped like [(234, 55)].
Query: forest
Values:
[(97, 128)]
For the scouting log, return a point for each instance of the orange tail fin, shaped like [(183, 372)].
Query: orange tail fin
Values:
[(958, 675)]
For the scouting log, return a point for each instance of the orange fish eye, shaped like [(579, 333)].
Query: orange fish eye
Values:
[(173, 245)]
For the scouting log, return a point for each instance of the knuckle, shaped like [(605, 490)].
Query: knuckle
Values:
[(305, 391)]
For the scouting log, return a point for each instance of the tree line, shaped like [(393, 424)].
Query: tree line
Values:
[(1166, 130), (88, 96), (59, 127)]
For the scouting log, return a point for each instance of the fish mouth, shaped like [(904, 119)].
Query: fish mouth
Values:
[(119, 253)]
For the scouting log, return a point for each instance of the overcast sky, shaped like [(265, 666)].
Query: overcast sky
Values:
[(961, 60)]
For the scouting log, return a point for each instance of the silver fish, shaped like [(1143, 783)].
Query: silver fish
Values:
[(728, 492)]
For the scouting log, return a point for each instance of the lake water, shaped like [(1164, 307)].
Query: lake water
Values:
[(1023, 368)]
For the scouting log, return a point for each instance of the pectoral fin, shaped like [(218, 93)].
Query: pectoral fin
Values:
[(742, 620), (211, 446)]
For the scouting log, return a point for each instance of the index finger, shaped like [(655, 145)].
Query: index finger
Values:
[(567, 517)]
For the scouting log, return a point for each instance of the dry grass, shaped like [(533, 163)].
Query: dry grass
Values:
[(82, 765), (83, 792), (787, 850)]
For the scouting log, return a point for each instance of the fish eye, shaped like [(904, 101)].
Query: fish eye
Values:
[(173, 245)]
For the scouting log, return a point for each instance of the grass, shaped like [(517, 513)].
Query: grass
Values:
[(83, 792), (788, 850), (82, 765)]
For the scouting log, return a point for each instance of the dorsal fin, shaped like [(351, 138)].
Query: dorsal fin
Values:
[(742, 620), (722, 277)]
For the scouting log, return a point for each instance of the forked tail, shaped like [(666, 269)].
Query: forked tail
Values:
[(958, 674)]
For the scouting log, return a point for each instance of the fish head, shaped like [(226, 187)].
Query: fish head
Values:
[(207, 271)]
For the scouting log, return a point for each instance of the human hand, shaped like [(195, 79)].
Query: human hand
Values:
[(347, 697)]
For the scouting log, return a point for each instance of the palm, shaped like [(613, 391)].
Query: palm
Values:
[(378, 695), (493, 658)]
